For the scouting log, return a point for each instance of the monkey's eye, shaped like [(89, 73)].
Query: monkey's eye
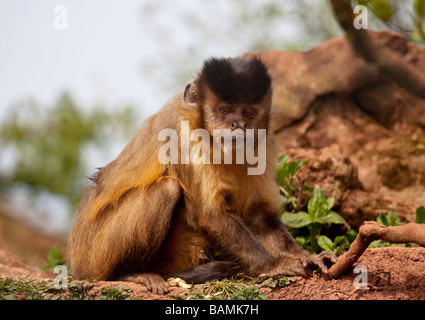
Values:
[(226, 109), (249, 111)]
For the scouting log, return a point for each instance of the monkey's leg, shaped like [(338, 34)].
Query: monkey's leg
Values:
[(209, 271), (159, 205), (124, 239), (276, 239)]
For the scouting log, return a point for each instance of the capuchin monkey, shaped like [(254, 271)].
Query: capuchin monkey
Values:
[(146, 219)]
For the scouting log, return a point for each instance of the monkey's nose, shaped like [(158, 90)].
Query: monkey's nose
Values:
[(238, 125)]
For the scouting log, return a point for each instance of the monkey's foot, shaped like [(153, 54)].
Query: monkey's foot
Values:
[(153, 282)]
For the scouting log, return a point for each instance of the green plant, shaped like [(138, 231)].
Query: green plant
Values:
[(420, 215), (249, 293), (285, 173), (54, 258), (340, 243), (116, 293), (391, 14), (318, 214), (50, 148), (392, 218), (236, 288), (23, 289)]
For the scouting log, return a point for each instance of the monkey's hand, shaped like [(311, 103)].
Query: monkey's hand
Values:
[(298, 264), (308, 259)]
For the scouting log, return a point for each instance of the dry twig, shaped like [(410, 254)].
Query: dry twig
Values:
[(370, 231)]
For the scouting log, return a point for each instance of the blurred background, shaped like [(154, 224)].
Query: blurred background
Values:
[(73, 91)]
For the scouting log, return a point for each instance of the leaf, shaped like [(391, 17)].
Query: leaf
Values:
[(325, 243), (296, 220), (351, 235), (379, 244), (289, 200), (381, 219), (317, 205), (282, 168), (333, 218), (394, 219), (330, 202), (251, 293), (381, 8), (294, 166), (419, 6), (287, 169), (283, 281), (301, 241), (54, 258), (420, 215), (339, 240)]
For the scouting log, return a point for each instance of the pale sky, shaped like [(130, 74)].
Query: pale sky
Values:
[(96, 58), (100, 56)]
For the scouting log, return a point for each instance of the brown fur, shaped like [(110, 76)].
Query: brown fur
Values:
[(143, 218)]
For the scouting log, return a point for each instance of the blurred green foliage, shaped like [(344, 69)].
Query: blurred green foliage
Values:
[(54, 258), (406, 17), (47, 145)]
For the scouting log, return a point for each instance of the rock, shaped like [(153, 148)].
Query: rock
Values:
[(364, 136), (326, 168), (299, 78)]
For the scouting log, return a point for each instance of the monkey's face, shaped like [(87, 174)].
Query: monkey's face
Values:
[(222, 115), (235, 120), (234, 95)]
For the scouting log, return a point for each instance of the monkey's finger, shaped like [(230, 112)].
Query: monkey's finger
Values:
[(147, 283), (159, 288), (321, 265), (162, 288), (312, 260), (327, 256), (309, 272)]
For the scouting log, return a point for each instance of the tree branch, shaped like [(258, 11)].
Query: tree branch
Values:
[(370, 231), (386, 61)]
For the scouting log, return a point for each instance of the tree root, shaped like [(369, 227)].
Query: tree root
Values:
[(370, 231)]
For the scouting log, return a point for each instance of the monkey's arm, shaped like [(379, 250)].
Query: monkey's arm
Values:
[(230, 235), (273, 235)]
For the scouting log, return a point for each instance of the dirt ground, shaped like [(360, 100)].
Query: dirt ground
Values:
[(392, 273)]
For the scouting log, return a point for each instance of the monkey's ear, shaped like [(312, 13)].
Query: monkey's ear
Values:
[(191, 94)]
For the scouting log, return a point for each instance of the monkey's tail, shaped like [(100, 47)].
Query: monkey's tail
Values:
[(209, 271)]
